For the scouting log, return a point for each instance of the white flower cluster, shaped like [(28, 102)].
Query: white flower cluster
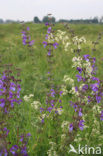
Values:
[(77, 61), (35, 105), (27, 98), (64, 89), (69, 80), (74, 92), (88, 67), (61, 36), (51, 151), (42, 117), (65, 124), (50, 38), (78, 40), (59, 110), (96, 109)]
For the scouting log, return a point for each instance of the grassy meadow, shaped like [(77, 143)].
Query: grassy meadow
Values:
[(33, 77)]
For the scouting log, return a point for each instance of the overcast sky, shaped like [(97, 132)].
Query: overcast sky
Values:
[(66, 9)]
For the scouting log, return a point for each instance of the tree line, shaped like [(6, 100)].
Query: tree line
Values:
[(53, 20)]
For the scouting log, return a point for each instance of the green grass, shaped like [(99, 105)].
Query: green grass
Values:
[(34, 75)]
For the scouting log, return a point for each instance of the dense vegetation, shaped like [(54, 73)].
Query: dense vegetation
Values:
[(34, 84)]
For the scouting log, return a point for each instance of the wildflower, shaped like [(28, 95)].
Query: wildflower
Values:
[(13, 149), (2, 104), (46, 24), (101, 116), (28, 28), (45, 43), (59, 111), (95, 79), (31, 42), (81, 125), (85, 87), (86, 57), (46, 37), (49, 30), (71, 127), (98, 99), (52, 92), (55, 45), (79, 69), (80, 112), (49, 53), (79, 77), (64, 124), (94, 87), (26, 98), (35, 104)]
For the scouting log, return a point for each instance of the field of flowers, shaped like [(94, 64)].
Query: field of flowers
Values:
[(51, 89)]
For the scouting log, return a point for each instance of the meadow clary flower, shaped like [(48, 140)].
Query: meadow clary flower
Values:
[(45, 43), (85, 87), (31, 43), (2, 103), (27, 28), (79, 69), (71, 127), (49, 30), (79, 77), (55, 45), (46, 24), (98, 99), (80, 112), (81, 125), (86, 57), (94, 87)]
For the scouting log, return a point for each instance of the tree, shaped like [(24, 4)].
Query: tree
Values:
[(36, 20), (46, 19), (95, 20), (101, 19), (1, 21)]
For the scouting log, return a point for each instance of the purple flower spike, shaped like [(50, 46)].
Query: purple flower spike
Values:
[(2, 103), (80, 112), (98, 99), (28, 28), (79, 78), (94, 87), (55, 45), (46, 24), (49, 53), (46, 37), (45, 43), (71, 127), (31, 42), (13, 149), (94, 59), (79, 69), (85, 87), (61, 92), (49, 30), (81, 125), (86, 57)]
